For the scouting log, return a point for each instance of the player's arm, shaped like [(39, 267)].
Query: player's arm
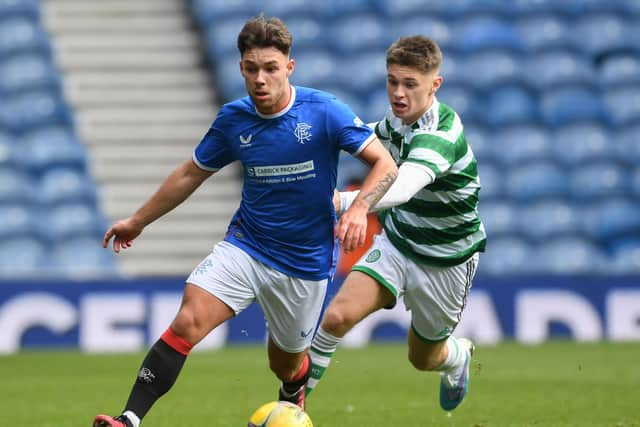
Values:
[(174, 190), (352, 227), (411, 179)]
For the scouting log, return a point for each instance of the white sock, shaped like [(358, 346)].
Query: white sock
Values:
[(453, 365), (322, 348), (135, 421)]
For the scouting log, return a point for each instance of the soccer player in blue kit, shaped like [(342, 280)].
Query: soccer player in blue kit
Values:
[(280, 246)]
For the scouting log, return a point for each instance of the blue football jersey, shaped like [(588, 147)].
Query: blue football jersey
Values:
[(286, 217)]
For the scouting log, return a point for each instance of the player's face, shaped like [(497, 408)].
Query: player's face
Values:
[(410, 91), (266, 74)]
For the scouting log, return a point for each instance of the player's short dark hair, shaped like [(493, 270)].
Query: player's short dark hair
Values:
[(262, 32), (419, 52)]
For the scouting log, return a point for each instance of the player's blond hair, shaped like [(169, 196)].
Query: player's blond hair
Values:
[(418, 52)]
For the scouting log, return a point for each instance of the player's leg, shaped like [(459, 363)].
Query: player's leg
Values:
[(436, 298), (292, 308)]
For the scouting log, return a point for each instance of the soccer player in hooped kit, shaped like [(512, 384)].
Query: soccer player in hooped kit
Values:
[(280, 246), (428, 248)]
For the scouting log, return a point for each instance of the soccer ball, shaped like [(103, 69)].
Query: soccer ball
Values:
[(279, 414)]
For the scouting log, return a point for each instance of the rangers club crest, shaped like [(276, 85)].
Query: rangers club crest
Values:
[(302, 132)]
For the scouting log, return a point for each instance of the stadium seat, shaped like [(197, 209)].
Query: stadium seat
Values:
[(546, 219), (492, 68), (293, 9), (357, 103), (508, 256), (582, 142), (7, 150), (51, 147), (568, 256), (214, 12), (231, 85), (520, 144), (498, 216), (17, 220), (619, 70), (550, 69), (25, 257), (537, 180), (510, 105), (28, 73), (16, 187), (570, 104), (19, 8), (628, 144), (635, 182), (31, 110), (567, 8), (72, 220), (625, 256), (485, 32), (221, 38), (463, 100), (614, 218), (350, 171), (64, 185), (544, 32), (82, 258), (452, 69), (371, 33), (375, 106), (370, 75), (491, 181), (592, 181), (315, 68), (308, 34), (480, 141), (599, 35), (22, 35), (623, 104), (426, 24)]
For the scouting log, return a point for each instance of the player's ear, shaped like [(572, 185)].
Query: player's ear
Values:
[(290, 66), (437, 82)]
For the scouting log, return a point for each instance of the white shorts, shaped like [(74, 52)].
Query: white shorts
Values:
[(291, 305), (436, 296)]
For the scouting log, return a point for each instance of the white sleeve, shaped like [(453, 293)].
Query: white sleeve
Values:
[(411, 179)]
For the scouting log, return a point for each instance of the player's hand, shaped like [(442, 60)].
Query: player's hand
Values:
[(336, 201), (123, 233), (352, 228)]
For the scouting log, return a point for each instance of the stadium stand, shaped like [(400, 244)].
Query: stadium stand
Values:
[(549, 92)]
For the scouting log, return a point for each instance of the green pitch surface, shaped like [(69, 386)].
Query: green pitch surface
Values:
[(556, 384)]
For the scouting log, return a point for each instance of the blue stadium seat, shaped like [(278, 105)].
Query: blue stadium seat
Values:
[(19, 8), (32, 110), (350, 171), (618, 70), (426, 24), (82, 258), (315, 68), (542, 32), (592, 181), (623, 104), (357, 103), (568, 256), (371, 33), (362, 73), (51, 147), (568, 8), (22, 35), (463, 100), (24, 257), (64, 185), (16, 187), (221, 39), (546, 219), (375, 106), (582, 142), (604, 34), (498, 216), (307, 33), (555, 68), (626, 256), (230, 82), (485, 32), (521, 144), (27, 73), (628, 144), (481, 142), (214, 12), (510, 105), (452, 69), (17, 220), (7, 150), (571, 104), (402, 9), (491, 180), (292, 9), (492, 68), (537, 180), (71, 220), (614, 218), (635, 182), (508, 256)]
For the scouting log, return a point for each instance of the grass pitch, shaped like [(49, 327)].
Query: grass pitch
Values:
[(555, 384)]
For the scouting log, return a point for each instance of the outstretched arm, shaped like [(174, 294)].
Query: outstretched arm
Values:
[(352, 227), (174, 190), (411, 179)]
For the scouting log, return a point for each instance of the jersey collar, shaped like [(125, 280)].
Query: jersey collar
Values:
[(282, 112), (429, 119)]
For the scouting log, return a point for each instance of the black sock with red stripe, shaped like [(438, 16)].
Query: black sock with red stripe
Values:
[(158, 372), (300, 379)]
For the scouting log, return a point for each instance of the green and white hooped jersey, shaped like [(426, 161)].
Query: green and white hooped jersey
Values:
[(440, 225)]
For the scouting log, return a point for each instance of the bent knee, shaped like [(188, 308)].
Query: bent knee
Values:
[(337, 322)]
